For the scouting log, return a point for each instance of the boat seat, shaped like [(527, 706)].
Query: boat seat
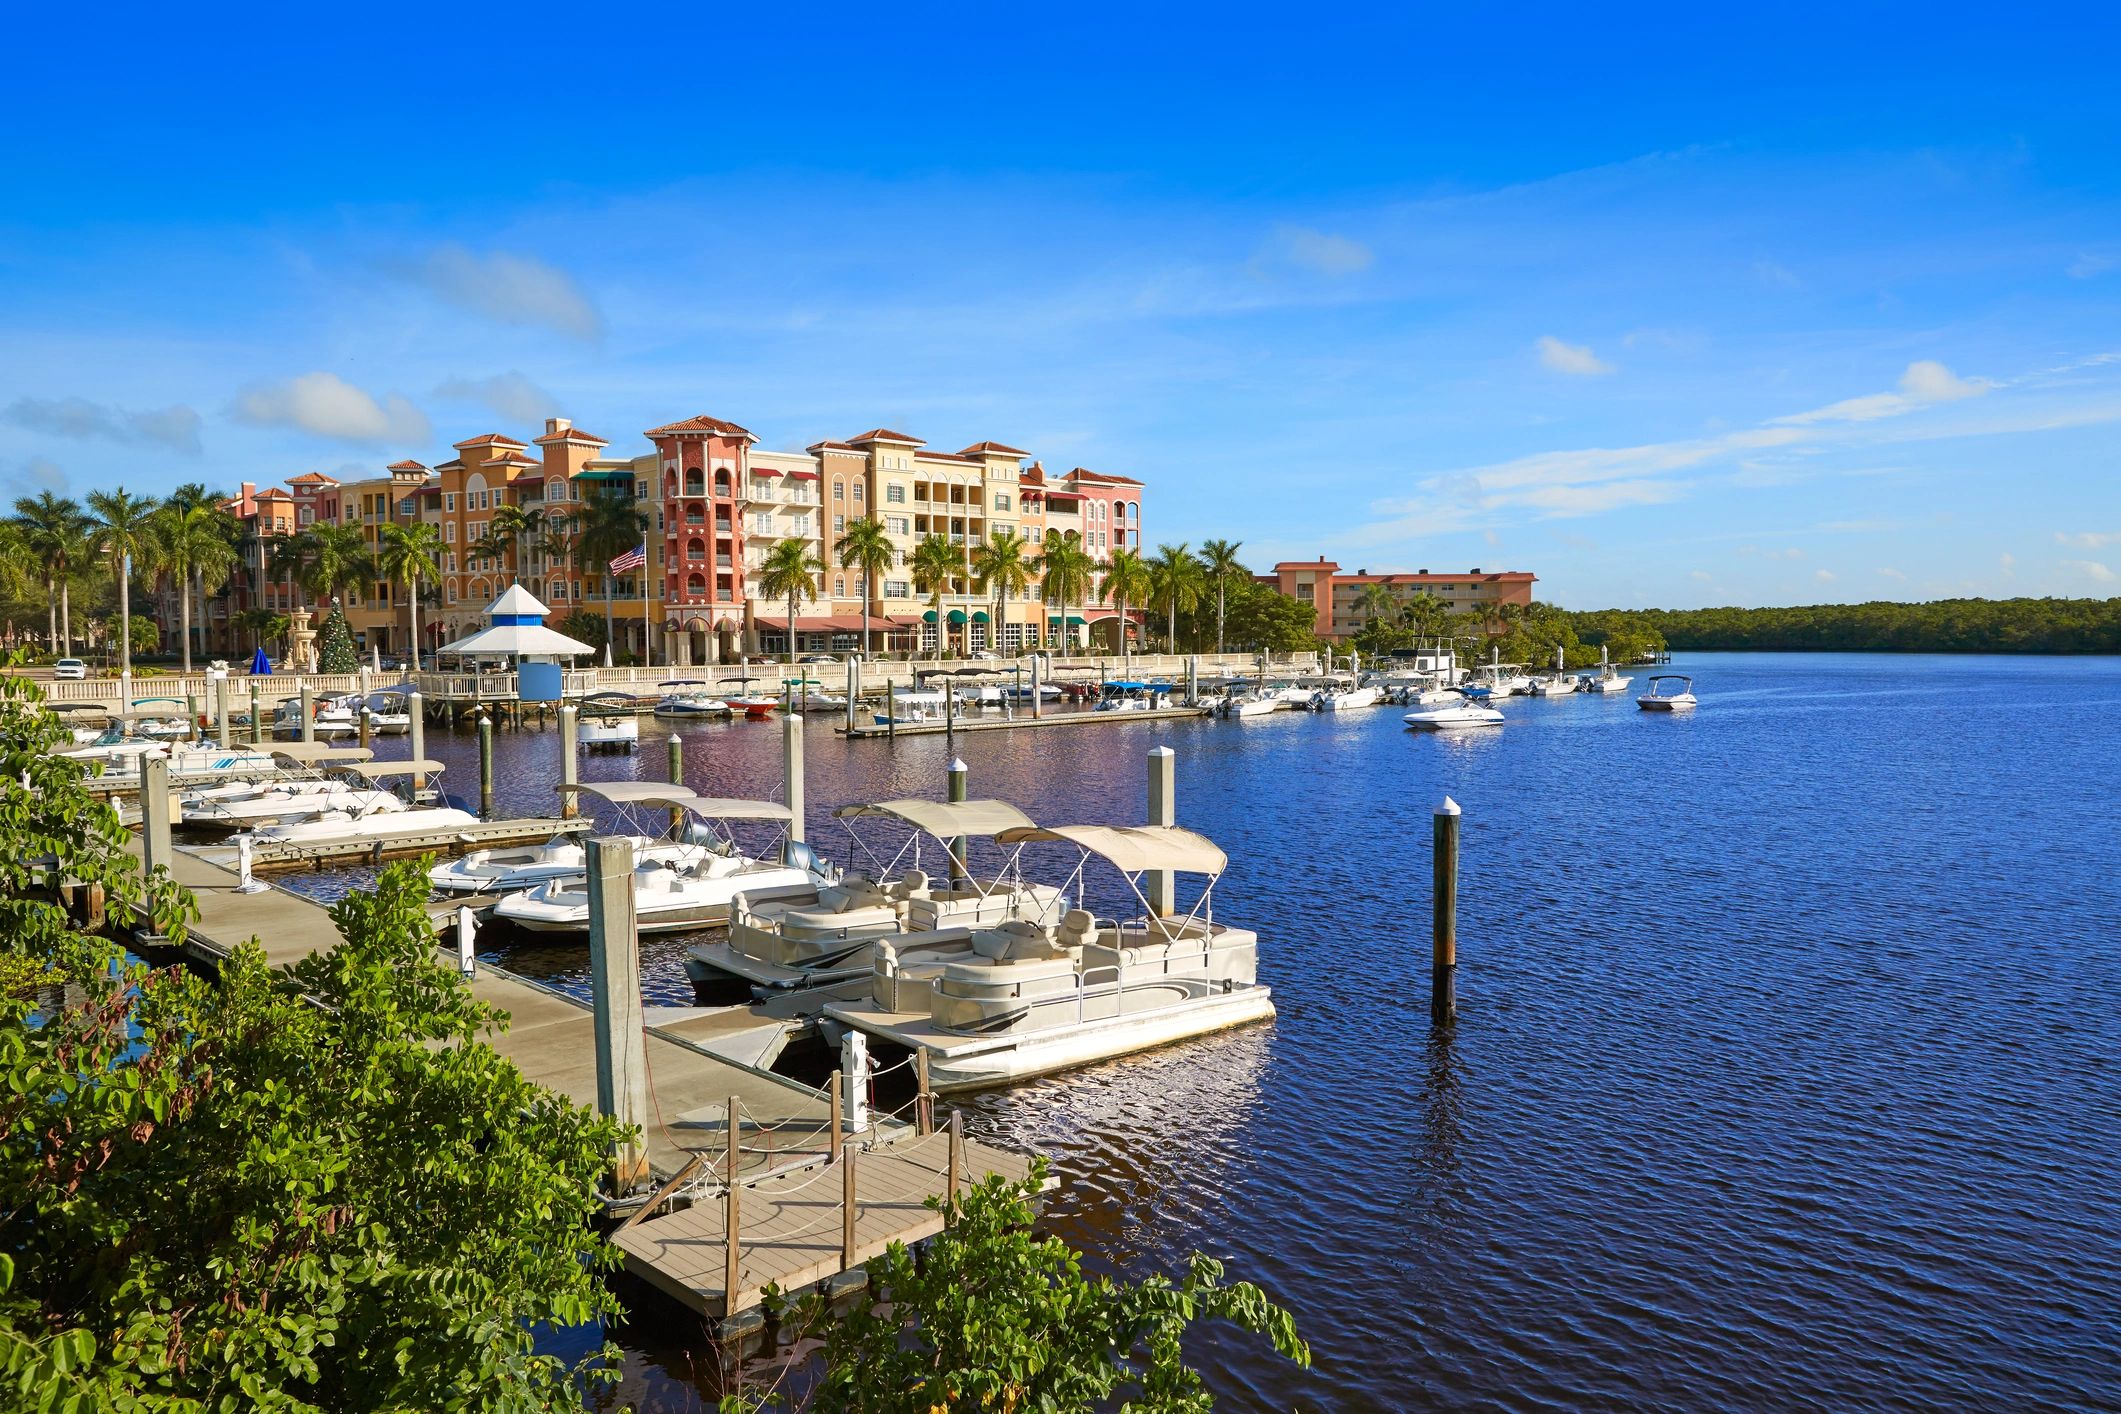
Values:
[(910, 885), (1077, 927), (719, 866), (1016, 941)]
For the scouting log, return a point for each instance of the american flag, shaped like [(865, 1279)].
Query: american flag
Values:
[(632, 560)]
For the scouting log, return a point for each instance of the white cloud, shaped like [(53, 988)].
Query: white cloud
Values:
[(1925, 382), (1893, 574), (1823, 576), (1703, 575), (175, 427), (508, 289), (326, 405), (36, 475), (1322, 251), (2006, 562), (510, 394), (2088, 539), (1771, 272), (1577, 360), (2092, 262), (2094, 569)]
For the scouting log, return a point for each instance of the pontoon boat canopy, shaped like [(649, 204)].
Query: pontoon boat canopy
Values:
[(982, 818), (639, 793), (729, 807), (380, 770), (318, 751), (1133, 848)]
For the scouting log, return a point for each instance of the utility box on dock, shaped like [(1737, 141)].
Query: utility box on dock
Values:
[(538, 682)]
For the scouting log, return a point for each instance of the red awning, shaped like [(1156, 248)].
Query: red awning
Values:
[(765, 471), (802, 476)]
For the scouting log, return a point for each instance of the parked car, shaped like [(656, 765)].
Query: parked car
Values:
[(70, 668), (986, 655), (817, 658)]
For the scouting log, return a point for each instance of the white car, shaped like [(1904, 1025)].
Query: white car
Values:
[(72, 669)]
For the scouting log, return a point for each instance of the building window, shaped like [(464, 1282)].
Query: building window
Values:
[(897, 525), (304, 515), (839, 525), (640, 489), (449, 532), (1001, 500), (857, 493), (895, 494), (897, 589), (839, 586), (839, 490), (449, 500)]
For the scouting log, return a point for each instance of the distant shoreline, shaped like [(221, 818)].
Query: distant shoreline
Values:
[(2053, 627)]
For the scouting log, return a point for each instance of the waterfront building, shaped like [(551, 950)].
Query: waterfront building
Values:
[(1338, 599)]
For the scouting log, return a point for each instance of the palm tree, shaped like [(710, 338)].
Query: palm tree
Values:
[(264, 625), (190, 543), (1176, 579), (1002, 568), (120, 530), (411, 551), (611, 524), (1426, 616), (1219, 559), (19, 569), (1065, 570), (1127, 581), (865, 547), (935, 564), (57, 534), (790, 570), (325, 559)]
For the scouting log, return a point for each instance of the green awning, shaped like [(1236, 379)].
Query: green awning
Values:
[(979, 616), (929, 617), (957, 616), (1053, 621)]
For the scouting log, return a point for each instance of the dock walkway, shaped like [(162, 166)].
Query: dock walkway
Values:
[(786, 1127)]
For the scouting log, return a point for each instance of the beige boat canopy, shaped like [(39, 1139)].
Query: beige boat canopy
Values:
[(944, 820), (383, 770), (674, 797), (318, 751), (1133, 848)]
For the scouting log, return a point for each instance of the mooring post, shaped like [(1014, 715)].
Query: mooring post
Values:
[(792, 772), (957, 1155), (257, 721), (1160, 886), (854, 688), (1443, 969), (485, 767), (677, 778), (949, 710), (309, 712), (245, 884), (847, 1205), (221, 723), (854, 1065), (924, 1107), (958, 773), (467, 940), (367, 727), (416, 710), (570, 805), (732, 1211), (154, 812), (191, 717), (1038, 694), (615, 997), (1193, 680), (835, 1085)]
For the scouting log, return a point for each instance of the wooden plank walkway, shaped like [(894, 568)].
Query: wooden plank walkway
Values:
[(1023, 718), (276, 857)]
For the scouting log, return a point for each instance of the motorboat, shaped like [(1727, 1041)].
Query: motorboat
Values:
[(330, 719), (797, 938), (688, 697), (1559, 685), (1668, 692), (1453, 716), (755, 706), (1605, 679), (671, 894), (609, 721), (161, 718), (524, 867), (811, 696), (1349, 698), (354, 790), (1030, 997), (339, 827), (1134, 697), (388, 712), (911, 707)]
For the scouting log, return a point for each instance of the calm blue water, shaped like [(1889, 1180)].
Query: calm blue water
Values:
[(1785, 1076)]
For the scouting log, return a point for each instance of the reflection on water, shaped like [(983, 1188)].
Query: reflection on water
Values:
[(1784, 1075)]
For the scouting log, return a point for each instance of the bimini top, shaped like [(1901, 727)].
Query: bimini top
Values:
[(1133, 848), (384, 770), (310, 751), (982, 818), (670, 797)]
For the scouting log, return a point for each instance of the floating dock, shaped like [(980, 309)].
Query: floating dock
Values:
[(277, 857), (1072, 718)]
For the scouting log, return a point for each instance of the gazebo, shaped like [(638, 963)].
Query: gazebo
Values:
[(515, 628)]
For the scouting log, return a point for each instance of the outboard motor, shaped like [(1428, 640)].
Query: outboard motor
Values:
[(797, 854)]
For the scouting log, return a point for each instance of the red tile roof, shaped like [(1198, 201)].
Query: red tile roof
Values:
[(312, 478), (885, 434), (571, 434), (996, 449), (272, 493), (407, 465), (1084, 474), (491, 439), (832, 447), (712, 426)]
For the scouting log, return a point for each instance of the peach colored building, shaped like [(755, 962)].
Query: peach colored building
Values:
[(1336, 597)]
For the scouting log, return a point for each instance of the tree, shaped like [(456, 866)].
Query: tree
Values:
[(865, 547), (1127, 581), (1001, 567), (57, 534), (1176, 579), (611, 523), (327, 560), (146, 635), (264, 626), (335, 645), (1426, 616), (190, 543), (300, 1189), (1065, 572), (1219, 561), (585, 627), (120, 531), (790, 572), (935, 564), (996, 1317), (1384, 626), (409, 553)]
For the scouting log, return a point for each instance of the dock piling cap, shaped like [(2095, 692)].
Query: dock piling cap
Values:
[(1449, 807)]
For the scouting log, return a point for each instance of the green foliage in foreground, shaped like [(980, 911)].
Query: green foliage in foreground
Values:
[(302, 1189), (1941, 626), (995, 1317)]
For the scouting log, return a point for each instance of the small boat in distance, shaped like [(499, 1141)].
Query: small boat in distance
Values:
[(1462, 714), (688, 697), (1606, 680), (1668, 692)]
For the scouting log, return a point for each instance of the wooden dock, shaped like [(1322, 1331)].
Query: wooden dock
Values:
[(786, 1130), (1072, 718), (276, 857)]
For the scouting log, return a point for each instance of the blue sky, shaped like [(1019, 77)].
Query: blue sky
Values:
[(1678, 310)]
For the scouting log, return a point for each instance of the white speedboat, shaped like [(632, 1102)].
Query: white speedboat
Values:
[(1605, 679), (609, 721), (671, 893), (798, 938), (1559, 685), (331, 720), (1349, 699), (388, 713), (562, 857), (1134, 697), (1030, 997), (1243, 707), (1668, 692), (689, 697), (1436, 697), (338, 826), (1449, 717)]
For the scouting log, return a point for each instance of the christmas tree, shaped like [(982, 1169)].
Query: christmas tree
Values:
[(335, 650)]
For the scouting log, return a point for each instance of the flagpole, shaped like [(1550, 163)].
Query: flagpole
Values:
[(647, 634)]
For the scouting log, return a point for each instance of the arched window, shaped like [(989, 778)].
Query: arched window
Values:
[(695, 482), (721, 482), (696, 585), (695, 549)]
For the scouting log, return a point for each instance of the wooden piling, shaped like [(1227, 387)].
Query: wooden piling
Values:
[(792, 772), (848, 1205), (485, 767), (924, 1105), (1443, 965), (257, 718), (615, 999), (308, 699), (570, 804), (733, 1212), (837, 1116), (367, 728), (957, 1156), (677, 778), (155, 812), (221, 724), (956, 793), (1160, 886), (416, 709)]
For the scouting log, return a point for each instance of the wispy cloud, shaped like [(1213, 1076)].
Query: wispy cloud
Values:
[(327, 406), (508, 289), (36, 475), (2088, 539), (1823, 576), (175, 427), (1577, 360), (1893, 574), (1321, 251), (2094, 570), (1771, 272), (2092, 262), (1925, 382), (509, 394)]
